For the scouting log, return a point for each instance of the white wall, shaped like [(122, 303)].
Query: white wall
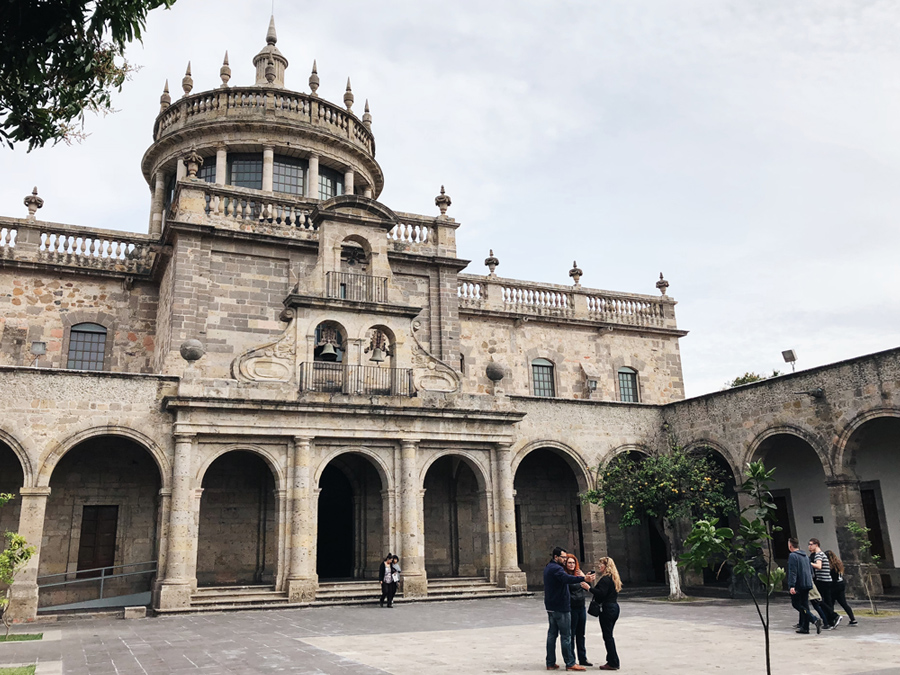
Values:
[(879, 460)]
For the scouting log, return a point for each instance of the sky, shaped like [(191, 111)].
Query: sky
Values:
[(750, 151)]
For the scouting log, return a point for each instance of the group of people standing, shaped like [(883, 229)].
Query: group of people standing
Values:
[(566, 588), (390, 578), (817, 580)]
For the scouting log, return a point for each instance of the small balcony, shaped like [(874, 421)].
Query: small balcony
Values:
[(358, 287), (339, 378)]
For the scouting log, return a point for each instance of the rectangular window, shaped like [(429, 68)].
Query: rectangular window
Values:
[(287, 175), (543, 380), (628, 387), (245, 171), (87, 347), (97, 547), (329, 186), (207, 172)]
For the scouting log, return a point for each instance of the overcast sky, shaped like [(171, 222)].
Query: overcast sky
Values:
[(748, 150)]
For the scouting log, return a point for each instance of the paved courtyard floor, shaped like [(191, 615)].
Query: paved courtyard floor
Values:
[(480, 636)]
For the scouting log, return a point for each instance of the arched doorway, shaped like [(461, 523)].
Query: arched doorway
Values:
[(456, 533), (237, 541), (102, 513), (549, 512), (12, 478), (874, 453), (716, 574), (799, 492), (350, 541)]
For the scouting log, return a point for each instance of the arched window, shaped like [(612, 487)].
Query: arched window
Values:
[(628, 385), (87, 346), (542, 376), (329, 343)]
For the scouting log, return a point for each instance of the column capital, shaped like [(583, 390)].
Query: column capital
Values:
[(221, 147), (184, 437), (165, 492), (298, 439), (842, 481), (34, 491), (409, 442)]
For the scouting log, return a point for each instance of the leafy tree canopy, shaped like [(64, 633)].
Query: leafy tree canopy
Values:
[(749, 377), (59, 58)]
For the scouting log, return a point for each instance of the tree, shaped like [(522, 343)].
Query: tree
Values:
[(749, 377), (868, 560), (60, 58), (663, 488), (749, 552), (12, 559)]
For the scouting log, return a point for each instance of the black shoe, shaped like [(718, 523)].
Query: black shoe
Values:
[(585, 663), (837, 622), (803, 632), (853, 622), (818, 626), (796, 625)]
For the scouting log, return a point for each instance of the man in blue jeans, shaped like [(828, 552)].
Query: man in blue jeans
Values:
[(558, 606)]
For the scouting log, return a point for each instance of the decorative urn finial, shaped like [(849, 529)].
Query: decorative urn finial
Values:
[(187, 82), (491, 262), (367, 117), (662, 284), (576, 273), (225, 71), (442, 201), (33, 202), (270, 71), (192, 162), (348, 97), (314, 80), (165, 100), (271, 38)]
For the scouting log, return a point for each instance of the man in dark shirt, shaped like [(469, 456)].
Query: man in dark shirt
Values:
[(799, 580), (558, 606)]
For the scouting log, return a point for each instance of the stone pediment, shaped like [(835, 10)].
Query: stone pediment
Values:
[(354, 208)]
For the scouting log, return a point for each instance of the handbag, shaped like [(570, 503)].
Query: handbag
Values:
[(594, 609), (395, 577)]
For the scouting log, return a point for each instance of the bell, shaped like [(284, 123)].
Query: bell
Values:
[(328, 353), (377, 355)]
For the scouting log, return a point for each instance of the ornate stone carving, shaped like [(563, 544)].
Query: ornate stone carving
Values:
[(225, 72), (367, 116), (192, 350), (442, 201), (313, 80), (165, 100), (33, 202), (662, 284), (576, 273), (192, 162), (272, 362), (429, 372), (187, 82), (491, 262), (348, 97)]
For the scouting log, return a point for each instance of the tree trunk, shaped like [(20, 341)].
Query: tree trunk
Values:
[(672, 575)]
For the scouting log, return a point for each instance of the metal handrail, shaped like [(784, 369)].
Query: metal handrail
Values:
[(103, 575)]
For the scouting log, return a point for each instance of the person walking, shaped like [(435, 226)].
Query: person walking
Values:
[(558, 606), (606, 593), (579, 615), (839, 586), (799, 580), (388, 581), (822, 576)]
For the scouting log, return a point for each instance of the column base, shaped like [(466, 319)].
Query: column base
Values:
[(414, 586), (23, 603), (513, 580), (301, 590), (173, 594)]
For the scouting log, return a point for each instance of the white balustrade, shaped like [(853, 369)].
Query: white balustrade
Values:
[(8, 237), (471, 292), (536, 297), (89, 249), (409, 233)]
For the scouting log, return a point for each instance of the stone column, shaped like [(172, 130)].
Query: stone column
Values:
[(510, 577), (158, 204), (415, 583), (221, 165), (23, 602), (367, 193), (180, 171), (312, 187), (268, 167), (846, 505), (348, 182), (301, 585), (181, 561)]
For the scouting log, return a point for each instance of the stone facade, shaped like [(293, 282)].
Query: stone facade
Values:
[(348, 391)]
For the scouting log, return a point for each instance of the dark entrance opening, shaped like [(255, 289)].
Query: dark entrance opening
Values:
[(11, 480), (97, 547), (334, 544)]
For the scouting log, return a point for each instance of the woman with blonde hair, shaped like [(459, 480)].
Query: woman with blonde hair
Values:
[(606, 593)]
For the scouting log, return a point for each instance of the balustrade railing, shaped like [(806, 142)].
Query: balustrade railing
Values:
[(257, 208), (471, 292), (8, 237), (543, 298), (88, 249), (359, 287), (290, 106), (631, 310), (411, 233), (339, 378)]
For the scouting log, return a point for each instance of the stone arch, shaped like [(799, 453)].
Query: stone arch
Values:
[(266, 455), (790, 430), (844, 457), (583, 474), (482, 473), (701, 443), (384, 473), (24, 460), (161, 459)]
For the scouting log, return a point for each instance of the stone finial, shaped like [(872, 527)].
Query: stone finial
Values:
[(192, 350), (442, 201), (576, 273), (187, 82), (271, 37), (33, 202), (314, 80), (495, 371), (348, 97), (165, 100), (270, 71), (367, 116), (225, 71), (662, 284), (491, 262), (192, 162)]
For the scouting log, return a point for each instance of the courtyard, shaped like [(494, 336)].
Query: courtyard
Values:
[(483, 636)]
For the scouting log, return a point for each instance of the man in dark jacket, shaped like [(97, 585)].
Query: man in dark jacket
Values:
[(800, 581), (558, 606)]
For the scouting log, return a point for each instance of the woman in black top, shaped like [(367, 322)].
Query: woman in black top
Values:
[(606, 593), (579, 616), (839, 586), (388, 585)]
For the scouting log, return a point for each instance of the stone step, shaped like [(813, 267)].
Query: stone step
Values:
[(238, 599), (248, 588)]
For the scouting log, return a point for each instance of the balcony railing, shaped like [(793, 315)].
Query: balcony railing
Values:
[(359, 287), (339, 378)]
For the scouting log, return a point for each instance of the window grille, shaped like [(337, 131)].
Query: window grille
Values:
[(628, 387), (245, 171), (542, 375), (87, 346)]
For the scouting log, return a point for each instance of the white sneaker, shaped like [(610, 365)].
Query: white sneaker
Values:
[(837, 622)]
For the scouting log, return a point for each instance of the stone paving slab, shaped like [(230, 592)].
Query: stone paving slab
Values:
[(483, 636)]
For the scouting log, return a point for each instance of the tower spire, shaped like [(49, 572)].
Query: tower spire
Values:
[(271, 37)]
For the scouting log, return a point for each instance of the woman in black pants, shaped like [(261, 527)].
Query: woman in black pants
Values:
[(606, 593), (388, 585), (839, 586)]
